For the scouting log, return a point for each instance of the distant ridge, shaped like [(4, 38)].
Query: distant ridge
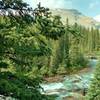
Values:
[(75, 16)]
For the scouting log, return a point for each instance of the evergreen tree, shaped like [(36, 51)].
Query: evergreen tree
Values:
[(19, 44), (94, 90)]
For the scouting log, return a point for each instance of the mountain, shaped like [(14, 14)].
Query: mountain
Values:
[(75, 16), (97, 18)]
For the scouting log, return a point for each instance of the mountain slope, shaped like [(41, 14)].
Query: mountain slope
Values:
[(75, 16)]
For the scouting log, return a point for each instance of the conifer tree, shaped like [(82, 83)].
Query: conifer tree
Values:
[(19, 44), (94, 90)]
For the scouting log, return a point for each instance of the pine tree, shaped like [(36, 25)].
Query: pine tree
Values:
[(19, 44), (94, 90)]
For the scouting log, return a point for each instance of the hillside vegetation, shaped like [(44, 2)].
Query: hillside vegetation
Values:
[(36, 44)]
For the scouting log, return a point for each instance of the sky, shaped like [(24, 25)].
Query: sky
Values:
[(87, 7)]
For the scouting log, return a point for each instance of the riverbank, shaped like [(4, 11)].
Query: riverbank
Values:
[(60, 78), (69, 87)]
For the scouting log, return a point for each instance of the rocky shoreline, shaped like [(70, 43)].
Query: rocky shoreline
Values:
[(60, 78)]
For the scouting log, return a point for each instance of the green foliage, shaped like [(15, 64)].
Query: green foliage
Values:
[(68, 55), (44, 70), (3, 65), (49, 26), (39, 45), (61, 70), (81, 60), (20, 87), (94, 90), (78, 61), (20, 41)]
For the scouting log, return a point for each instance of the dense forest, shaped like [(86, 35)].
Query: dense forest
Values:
[(35, 44)]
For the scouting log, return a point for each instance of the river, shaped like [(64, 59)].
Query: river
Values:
[(72, 85)]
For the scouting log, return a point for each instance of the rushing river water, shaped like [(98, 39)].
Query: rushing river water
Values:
[(71, 85)]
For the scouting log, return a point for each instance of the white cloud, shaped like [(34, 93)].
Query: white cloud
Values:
[(94, 4), (52, 3), (97, 18)]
